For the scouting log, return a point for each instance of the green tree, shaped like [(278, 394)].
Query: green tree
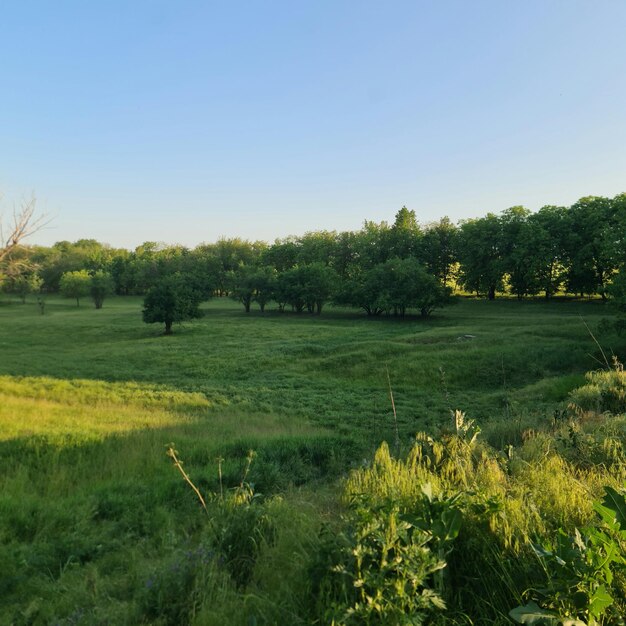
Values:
[(75, 284), (548, 247), (264, 282), (240, 284), (404, 238), (519, 238), (282, 255), (618, 292), (410, 286), (23, 284), (480, 255), (396, 285), (592, 253), (100, 286), (366, 289), (317, 247), (439, 249), (172, 299), (319, 282), (290, 289)]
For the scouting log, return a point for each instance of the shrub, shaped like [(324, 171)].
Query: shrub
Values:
[(605, 391)]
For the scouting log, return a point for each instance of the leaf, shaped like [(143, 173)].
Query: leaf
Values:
[(427, 490), (607, 515), (578, 540), (617, 503), (600, 601), (452, 520), (540, 551), (533, 614)]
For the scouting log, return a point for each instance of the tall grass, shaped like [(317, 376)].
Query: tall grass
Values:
[(96, 527)]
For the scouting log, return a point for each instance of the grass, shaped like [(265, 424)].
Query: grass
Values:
[(90, 509), (328, 370)]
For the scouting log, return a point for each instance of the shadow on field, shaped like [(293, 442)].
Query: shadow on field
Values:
[(72, 463)]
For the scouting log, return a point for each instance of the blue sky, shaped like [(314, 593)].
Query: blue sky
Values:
[(186, 121)]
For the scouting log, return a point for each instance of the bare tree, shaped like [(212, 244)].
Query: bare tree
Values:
[(25, 223)]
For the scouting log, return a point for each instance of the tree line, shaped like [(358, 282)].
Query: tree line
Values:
[(381, 268)]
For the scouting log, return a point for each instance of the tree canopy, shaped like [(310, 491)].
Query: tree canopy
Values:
[(171, 299)]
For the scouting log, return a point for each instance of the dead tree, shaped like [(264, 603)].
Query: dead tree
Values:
[(25, 223)]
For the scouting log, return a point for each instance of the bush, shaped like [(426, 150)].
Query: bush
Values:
[(605, 391)]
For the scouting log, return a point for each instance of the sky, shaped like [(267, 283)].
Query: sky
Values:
[(183, 122)]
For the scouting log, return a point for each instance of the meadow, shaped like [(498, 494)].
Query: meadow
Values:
[(98, 527)]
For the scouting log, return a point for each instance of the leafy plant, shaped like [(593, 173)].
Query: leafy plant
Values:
[(580, 569), (605, 391), (386, 568)]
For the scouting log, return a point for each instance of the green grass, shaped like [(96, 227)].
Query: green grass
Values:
[(90, 507), (328, 370)]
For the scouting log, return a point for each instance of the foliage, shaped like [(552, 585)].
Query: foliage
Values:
[(173, 299), (95, 527), (23, 284), (618, 293), (578, 249), (75, 284), (580, 569), (396, 285), (605, 391), (480, 255), (386, 570), (101, 285)]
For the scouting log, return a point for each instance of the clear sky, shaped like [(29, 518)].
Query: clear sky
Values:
[(185, 121)]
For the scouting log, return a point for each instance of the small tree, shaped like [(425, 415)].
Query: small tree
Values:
[(75, 284), (171, 300), (101, 286), (23, 284), (240, 283), (264, 286)]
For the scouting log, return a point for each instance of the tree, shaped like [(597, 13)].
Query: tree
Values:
[(404, 238), (291, 290), (592, 253), (550, 232), (439, 249), (23, 284), (319, 283), (394, 286), (480, 255), (618, 291), (365, 289), (240, 283), (75, 284), (172, 299), (101, 285), (519, 241), (23, 224), (264, 281)]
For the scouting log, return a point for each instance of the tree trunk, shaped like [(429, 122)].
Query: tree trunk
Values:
[(492, 293), (168, 327)]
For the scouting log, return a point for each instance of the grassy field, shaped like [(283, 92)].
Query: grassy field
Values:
[(92, 512), (330, 370)]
